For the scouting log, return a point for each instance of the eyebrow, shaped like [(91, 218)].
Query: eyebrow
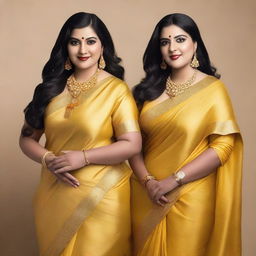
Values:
[(88, 38), (167, 38)]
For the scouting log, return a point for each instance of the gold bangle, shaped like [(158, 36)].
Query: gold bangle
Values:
[(43, 158), (85, 158), (147, 178)]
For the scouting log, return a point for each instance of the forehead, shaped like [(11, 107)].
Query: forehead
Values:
[(172, 31), (83, 32)]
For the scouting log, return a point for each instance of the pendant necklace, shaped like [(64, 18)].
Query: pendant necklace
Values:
[(76, 88)]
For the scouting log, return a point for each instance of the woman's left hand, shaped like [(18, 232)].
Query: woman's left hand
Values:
[(162, 187), (69, 161)]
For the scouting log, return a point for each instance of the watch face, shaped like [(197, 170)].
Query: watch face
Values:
[(180, 175)]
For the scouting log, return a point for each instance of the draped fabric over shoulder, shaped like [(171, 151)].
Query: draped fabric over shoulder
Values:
[(93, 219), (203, 217)]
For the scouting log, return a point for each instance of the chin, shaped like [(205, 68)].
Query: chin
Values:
[(83, 67), (175, 66), (178, 66)]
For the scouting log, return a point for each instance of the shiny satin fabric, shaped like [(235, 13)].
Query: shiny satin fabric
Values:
[(203, 218), (93, 219)]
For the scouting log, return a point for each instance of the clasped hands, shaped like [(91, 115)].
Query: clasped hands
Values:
[(61, 165), (157, 190)]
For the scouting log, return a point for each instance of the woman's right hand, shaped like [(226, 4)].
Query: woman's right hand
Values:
[(63, 177), (152, 187)]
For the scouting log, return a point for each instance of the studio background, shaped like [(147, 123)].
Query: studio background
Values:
[(28, 32)]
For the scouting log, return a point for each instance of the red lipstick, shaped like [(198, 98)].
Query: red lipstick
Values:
[(174, 57), (83, 58)]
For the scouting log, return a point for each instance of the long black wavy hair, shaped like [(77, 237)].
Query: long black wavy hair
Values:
[(54, 76), (153, 85)]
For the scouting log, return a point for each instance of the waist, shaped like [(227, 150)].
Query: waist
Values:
[(92, 174), (57, 148), (165, 163)]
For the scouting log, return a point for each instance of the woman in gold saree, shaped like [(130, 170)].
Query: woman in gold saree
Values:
[(89, 117), (186, 193)]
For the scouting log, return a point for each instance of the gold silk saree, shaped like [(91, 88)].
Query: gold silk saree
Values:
[(203, 217), (93, 219)]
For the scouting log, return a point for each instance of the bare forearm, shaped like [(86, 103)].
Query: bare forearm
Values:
[(32, 148), (115, 153), (203, 165), (137, 164)]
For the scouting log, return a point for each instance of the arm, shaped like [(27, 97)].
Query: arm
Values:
[(138, 166), (200, 167), (128, 138), (127, 145), (29, 144), (220, 148), (207, 162)]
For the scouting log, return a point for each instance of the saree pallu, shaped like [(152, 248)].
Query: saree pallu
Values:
[(203, 217), (93, 219)]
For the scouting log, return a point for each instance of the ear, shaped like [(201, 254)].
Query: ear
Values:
[(102, 49)]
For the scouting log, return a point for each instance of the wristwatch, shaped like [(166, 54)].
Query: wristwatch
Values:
[(179, 176)]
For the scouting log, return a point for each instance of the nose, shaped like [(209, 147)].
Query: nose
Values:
[(82, 48), (172, 47)]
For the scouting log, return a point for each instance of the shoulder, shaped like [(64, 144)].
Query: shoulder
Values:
[(119, 86), (214, 88), (217, 93), (212, 82), (218, 85), (114, 84), (207, 80)]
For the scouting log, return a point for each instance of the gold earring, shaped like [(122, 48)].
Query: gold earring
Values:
[(102, 63), (68, 65), (163, 65), (194, 63)]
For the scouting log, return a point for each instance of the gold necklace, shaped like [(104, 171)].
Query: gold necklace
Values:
[(75, 89), (173, 89)]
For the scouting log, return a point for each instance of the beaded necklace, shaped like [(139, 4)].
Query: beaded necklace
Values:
[(173, 89), (75, 89)]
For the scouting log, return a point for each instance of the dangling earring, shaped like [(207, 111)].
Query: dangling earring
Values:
[(194, 63), (102, 63), (68, 65), (163, 65)]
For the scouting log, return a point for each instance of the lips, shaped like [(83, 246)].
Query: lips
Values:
[(174, 57), (83, 58)]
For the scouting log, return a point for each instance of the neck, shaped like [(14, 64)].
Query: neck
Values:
[(182, 74), (82, 75)]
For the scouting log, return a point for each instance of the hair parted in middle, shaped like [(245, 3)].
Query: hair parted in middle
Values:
[(153, 85), (55, 76)]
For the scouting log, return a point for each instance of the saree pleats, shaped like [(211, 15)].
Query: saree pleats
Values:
[(105, 226), (203, 218), (78, 221)]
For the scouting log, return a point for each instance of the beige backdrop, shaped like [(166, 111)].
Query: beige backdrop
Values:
[(28, 31)]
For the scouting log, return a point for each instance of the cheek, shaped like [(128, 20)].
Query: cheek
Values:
[(71, 50), (96, 49), (164, 50), (188, 49)]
